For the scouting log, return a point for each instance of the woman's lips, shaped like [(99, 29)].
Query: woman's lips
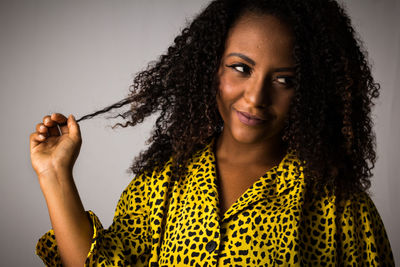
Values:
[(250, 121)]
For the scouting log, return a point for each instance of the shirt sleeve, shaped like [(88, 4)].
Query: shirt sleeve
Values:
[(363, 238), (125, 242)]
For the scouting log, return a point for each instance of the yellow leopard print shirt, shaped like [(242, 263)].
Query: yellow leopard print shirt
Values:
[(163, 222)]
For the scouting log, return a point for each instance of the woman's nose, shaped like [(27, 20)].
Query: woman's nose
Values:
[(257, 93)]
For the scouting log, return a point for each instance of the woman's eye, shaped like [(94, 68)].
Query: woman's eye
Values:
[(287, 81), (242, 68)]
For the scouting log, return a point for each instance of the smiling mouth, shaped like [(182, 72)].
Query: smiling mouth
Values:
[(248, 120)]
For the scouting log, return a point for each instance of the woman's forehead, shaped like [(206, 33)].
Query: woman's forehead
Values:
[(260, 35)]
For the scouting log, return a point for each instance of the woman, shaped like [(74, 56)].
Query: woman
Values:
[(261, 155)]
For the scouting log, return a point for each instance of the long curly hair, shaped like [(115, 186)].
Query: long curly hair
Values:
[(329, 123)]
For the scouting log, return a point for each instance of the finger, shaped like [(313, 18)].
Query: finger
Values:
[(54, 131), (48, 122), (40, 128), (52, 122), (35, 139), (73, 128), (51, 127), (59, 118), (62, 122)]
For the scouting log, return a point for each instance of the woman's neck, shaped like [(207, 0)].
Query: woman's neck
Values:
[(266, 153)]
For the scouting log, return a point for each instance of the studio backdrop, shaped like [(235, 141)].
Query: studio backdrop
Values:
[(75, 57)]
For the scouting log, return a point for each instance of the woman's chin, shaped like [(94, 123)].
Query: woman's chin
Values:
[(249, 137)]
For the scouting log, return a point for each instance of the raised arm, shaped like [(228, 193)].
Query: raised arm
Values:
[(54, 148)]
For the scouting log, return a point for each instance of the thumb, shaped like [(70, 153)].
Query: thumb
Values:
[(73, 127)]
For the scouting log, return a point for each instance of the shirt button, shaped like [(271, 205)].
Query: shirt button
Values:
[(210, 247)]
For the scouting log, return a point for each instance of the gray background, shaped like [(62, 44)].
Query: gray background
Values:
[(79, 56)]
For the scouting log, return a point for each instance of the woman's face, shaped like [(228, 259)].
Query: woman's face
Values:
[(256, 78)]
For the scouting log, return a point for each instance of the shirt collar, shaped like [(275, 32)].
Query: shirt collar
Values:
[(275, 182)]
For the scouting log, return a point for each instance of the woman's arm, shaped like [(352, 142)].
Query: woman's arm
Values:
[(53, 154)]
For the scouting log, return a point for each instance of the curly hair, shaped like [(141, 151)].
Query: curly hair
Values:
[(329, 123)]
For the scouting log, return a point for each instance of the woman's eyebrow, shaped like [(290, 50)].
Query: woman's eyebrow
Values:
[(244, 57)]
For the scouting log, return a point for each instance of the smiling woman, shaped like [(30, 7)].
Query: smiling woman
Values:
[(261, 154), (253, 80), (253, 99)]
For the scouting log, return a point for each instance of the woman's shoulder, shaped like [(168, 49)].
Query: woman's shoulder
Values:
[(357, 222), (327, 199), (357, 210)]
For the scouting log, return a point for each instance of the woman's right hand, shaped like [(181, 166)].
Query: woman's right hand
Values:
[(53, 150), (53, 154)]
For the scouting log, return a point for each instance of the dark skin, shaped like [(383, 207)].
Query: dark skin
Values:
[(256, 76), (53, 154)]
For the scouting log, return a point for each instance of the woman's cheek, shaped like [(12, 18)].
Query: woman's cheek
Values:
[(228, 87)]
